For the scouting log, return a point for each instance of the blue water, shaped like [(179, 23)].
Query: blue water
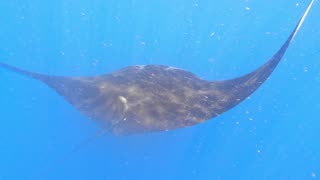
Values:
[(273, 135)]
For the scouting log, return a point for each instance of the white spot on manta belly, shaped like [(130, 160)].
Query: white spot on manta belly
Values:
[(124, 101), (172, 68), (102, 86), (140, 66)]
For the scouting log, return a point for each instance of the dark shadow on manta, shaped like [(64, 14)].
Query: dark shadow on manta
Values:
[(150, 98)]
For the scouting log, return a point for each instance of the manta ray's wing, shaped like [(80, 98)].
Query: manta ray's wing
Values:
[(236, 90), (72, 89)]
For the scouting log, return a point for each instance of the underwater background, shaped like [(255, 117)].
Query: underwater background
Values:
[(272, 135)]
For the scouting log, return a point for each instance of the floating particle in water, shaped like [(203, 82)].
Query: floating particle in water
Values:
[(143, 43)]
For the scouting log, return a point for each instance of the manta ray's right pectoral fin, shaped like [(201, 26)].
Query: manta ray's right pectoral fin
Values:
[(237, 89)]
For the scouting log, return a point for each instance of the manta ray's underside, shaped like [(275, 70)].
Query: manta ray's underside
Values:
[(150, 98)]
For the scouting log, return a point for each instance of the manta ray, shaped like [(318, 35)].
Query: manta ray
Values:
[(151, 98)]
